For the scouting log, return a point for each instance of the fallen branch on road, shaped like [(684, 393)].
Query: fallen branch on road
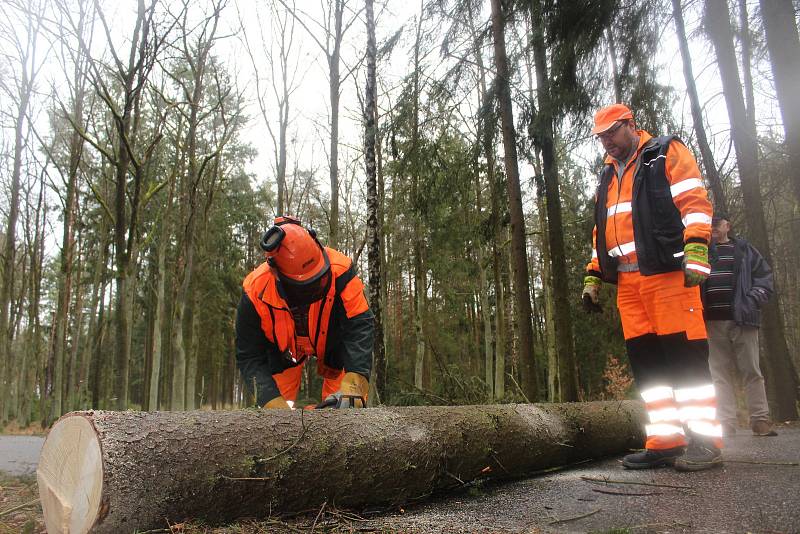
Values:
[(610, 481), (608, 492), (568, 519), (757, 462)]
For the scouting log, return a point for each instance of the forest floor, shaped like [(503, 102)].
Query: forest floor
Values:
[(755, 491)]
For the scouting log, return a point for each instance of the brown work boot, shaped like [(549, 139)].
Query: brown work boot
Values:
[(763, 428)]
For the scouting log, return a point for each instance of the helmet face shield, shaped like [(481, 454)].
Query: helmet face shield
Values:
[(304, 293)]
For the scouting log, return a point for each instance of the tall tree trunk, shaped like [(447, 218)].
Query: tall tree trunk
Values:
[(198, 60), (160, 311), (567, 377), (746, 42), (77, 327), (483, 291), (374, 227), (420, 286), (612, 53), (96, 356), (781, 377), (519, 253), (193, 355), (709, 166), (783, 44), (9, 248), (33, 347), (553, 376), (335, 88)]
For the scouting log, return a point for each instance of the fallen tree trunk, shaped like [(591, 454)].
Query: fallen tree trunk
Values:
[(120, 471)]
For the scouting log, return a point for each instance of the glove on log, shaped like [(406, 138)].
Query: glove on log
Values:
[(352, 393), (278, 403)]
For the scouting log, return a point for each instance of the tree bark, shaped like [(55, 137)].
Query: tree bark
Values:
[(374, 226), (612, 53), (782, 381), (519, 254), (709, 166), (783, 45), (420, 285), (562, 319), (120, 471)]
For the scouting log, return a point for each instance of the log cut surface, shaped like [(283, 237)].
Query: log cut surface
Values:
[(120, 471)]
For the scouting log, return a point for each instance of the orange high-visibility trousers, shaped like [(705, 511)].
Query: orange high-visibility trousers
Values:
[(288, 382), (665, 337)]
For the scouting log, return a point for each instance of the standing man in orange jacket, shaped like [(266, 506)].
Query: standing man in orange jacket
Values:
[(652, 228), (305, 301)]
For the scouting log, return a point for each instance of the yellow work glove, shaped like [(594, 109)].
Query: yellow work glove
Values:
[(591, 294), (352, 393), (695, 264), (278, 403)]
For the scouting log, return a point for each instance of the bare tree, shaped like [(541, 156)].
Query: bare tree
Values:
[(284, 80), (709, 166), (373, 204), (782, 380), (119, 85), (333, 29), (19, 29), (783, 44)]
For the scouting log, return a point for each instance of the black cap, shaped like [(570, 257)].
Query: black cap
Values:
[(719, 217)]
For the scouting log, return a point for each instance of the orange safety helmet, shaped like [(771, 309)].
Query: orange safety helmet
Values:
[(298, 258)]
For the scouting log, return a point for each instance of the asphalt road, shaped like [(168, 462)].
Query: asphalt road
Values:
[(742, 496), (19, 454)]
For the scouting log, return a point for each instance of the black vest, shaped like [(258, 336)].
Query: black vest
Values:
[(657, 225)]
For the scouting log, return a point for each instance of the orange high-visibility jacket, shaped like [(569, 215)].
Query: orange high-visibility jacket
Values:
[(646, 215), (340, 327)]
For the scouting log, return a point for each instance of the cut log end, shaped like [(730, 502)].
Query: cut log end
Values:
[(70, 477)]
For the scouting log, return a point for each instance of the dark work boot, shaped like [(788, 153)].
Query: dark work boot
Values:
[(701, 454), (652, 458)]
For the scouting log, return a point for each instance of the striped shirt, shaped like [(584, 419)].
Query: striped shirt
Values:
[(719, 286)]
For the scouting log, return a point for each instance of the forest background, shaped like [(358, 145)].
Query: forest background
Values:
[(444, 145)]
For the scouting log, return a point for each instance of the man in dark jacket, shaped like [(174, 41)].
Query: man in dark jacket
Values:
[(739, 284)]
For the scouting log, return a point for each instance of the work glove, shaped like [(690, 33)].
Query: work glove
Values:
[(278, 403), (591, 294), (695, 264), (352, 393)]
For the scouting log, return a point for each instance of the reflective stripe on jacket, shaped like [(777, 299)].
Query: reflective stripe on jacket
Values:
[(647, 215)]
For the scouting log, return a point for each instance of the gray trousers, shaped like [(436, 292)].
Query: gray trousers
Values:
[(736, 347)]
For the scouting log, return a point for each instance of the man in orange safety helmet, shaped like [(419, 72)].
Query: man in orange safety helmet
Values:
[(305, 301), (652, 229)]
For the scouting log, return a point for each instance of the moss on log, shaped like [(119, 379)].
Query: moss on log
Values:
[(120, 471)]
